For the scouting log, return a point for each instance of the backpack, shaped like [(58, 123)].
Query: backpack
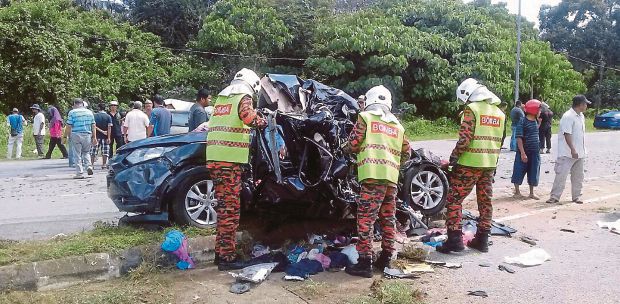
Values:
[(13, 131)]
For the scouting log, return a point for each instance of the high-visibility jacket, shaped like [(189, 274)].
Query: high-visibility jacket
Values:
[(486, 144), (228, 139), (379, 157)]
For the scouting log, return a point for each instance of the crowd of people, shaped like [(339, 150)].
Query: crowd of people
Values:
[(87, 134)]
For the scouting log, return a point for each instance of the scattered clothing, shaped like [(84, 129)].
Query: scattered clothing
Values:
[(294, 254), (260, 250), (339, 260), (176, 243), (352, 253), (304, 268), (240, 288)]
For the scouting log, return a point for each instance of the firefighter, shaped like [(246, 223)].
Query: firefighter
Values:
[(474, 160), (228, 148), (380, 144)]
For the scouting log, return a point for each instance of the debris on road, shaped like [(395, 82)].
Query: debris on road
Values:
[(392, 273), (478, 293), (528, 240), (567, 230), (240, 288), (613, 227), (533, 257), (506, 269), (484, 264)]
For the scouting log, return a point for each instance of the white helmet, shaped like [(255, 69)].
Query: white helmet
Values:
[(379, 95), (249, 77), (473, 91)]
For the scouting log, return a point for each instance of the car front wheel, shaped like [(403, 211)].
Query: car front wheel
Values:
[(195, 203), (425, 189)]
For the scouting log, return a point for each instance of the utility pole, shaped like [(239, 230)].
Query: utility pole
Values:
[(518, 65)]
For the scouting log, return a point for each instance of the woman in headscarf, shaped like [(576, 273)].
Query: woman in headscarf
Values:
[(56, 125)]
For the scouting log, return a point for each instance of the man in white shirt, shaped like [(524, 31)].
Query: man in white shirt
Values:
[(38, 128), (571, 151), (136, 123)]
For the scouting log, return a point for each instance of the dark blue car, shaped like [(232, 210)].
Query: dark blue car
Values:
[(609, 120)]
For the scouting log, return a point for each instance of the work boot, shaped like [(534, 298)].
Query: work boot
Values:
[(480, 241), (363, 268), (234, 264), (383, 261), (454, 242)]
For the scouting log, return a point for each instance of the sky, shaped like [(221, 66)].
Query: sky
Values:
[(529, 8)]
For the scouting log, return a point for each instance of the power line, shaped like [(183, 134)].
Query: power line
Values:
[(590, 62)]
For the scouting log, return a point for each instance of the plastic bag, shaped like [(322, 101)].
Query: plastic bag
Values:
[(533, 257), (255, 273)]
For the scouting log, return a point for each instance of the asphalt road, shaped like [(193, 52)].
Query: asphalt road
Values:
[(38, 198)]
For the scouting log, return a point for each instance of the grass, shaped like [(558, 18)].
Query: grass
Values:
[(152, 289), (28, 145), (104, 238), (420, 129), (390, 292)]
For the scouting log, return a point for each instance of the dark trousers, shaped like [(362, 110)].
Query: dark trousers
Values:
[(39, 139), (119, 141), (544, 135), (56, 141)]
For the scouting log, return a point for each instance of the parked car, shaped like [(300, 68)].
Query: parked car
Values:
[(609, 120), (167, 175), (180, 122)]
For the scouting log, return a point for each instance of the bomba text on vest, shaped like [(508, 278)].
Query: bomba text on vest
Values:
[(490, 121), (377, 127), (222, 110)]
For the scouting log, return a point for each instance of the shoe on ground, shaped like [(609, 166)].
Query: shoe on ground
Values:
[(552, 201), (78, 176), (578, 201), (363, 268), (548, 151), (454, 243), (89, 170)]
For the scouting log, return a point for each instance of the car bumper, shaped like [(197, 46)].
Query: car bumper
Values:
[(140, 188)]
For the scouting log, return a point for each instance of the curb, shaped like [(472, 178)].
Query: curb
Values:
[(96, 267)]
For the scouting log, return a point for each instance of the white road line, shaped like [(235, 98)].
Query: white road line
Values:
[(79, 194), (554, 208)]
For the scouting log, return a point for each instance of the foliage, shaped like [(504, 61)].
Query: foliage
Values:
[(54, 50), (420, 49), (390, 292), (588, 30), (175, 21)]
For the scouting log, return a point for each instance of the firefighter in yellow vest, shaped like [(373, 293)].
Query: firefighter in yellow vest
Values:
[(228, 148), (474, 160), (380, 144)]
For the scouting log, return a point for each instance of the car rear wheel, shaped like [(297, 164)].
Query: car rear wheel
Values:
[(195, 203), (425, 189)]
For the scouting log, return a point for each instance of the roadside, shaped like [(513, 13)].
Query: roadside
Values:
[(579, 263)]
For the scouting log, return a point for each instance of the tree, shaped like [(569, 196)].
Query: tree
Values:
[(55, 50), (421, 49), (175, 21), (587, 30)]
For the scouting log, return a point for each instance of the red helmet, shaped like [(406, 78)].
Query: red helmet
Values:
[(533, 106)]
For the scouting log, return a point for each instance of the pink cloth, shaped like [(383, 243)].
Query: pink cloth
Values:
[(323, 259), (56, 129), (183, 254)]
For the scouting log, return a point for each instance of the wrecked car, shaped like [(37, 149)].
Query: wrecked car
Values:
[(297, 166)]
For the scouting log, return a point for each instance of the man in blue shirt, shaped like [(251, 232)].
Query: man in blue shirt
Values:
[(16, 135), (161, 118), (81, 128)]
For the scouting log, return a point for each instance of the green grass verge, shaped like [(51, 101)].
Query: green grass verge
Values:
[(104, 238), (28, 145), (154, 289), (390, 292), (419, 129)]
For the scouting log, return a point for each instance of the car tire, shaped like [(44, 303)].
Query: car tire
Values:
[(194, 203), (434, 196)]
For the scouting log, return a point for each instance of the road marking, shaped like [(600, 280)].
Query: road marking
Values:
[(554, 208), (79, 194)]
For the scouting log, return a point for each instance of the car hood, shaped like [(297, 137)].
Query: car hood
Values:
[(611, 114), (184, 138)]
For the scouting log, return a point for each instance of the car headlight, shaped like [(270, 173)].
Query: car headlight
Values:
[(145, 154)]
